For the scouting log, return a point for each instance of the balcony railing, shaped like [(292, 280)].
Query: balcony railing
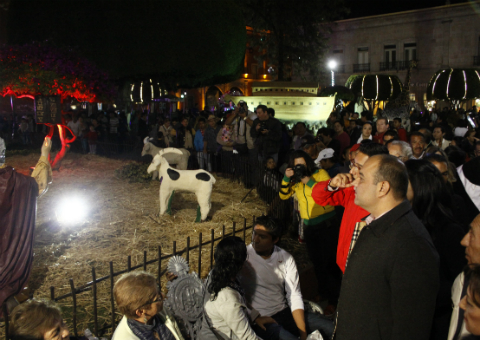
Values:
[(397, 65), (361, 68), (476, 60)]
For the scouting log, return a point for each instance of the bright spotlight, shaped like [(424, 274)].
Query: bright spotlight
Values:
[(332, 64), (72, 210)]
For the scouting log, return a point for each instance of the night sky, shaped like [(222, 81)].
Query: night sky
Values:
[(360, 8)]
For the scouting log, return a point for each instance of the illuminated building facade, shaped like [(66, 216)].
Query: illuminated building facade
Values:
[(440, 37)]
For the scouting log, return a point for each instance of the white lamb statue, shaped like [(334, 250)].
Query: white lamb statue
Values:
[(181, 160), (198, 181)]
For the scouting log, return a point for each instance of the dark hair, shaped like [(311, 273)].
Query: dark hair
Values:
[(427, 135), (201, 120), (326, 132), (431, 197), (230, 255), (271, 112), (372, 149), (396, 119), (263, 107), (456, 155), (418, 134), (473, 276), (458, 140), (383, 118), (273, 226), (302, 123), (441, 127), (368, 122), (433, 157), (392, 133), (302, 154), (391, 170), (341, 122)]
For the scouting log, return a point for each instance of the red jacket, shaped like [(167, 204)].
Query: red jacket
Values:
[(402, 134), (353, 214), (378, 138)]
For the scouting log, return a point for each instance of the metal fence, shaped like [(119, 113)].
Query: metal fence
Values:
[(92, 286), (233, 166)]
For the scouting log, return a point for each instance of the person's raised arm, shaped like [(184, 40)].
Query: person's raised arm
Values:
[(285, 189), (43, 171), (332, 192)]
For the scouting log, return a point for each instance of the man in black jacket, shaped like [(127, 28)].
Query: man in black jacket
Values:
[(392, 277), (267, 132)]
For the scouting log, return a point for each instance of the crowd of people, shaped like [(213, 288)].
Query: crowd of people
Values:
[(389, 211)]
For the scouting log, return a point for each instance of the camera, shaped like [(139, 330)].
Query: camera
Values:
[(263, 126), (299, 171)]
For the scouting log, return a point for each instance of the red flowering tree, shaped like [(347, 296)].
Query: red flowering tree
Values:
[(43, 70)]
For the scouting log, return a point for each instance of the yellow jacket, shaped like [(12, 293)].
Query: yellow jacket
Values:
[(310, 212)]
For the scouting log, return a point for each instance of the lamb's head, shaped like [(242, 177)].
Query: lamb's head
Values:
[(158, 160), (146, 146)]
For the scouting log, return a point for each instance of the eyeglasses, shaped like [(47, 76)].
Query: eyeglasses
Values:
[(159, 298)]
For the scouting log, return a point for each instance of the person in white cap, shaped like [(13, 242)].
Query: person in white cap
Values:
[(328, 161)]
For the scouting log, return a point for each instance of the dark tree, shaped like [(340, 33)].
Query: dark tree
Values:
[(184, 42), (292, 34)]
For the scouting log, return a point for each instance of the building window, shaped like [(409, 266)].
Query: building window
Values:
[(410, 51), (390, 55), (362, 54)]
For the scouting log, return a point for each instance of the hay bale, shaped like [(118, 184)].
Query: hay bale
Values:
[(123, 221)]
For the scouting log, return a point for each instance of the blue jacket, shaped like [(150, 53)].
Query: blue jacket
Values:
[(198, 141)]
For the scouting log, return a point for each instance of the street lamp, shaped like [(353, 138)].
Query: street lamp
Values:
[(332, 64)]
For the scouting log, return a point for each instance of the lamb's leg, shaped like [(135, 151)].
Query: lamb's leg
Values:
[(166, 196), (203, 199)]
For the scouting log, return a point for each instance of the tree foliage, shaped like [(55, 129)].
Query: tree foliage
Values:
[(378, 87), (342, 92), (454, 84), (290, 34), (184, 42), (42, 69)]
